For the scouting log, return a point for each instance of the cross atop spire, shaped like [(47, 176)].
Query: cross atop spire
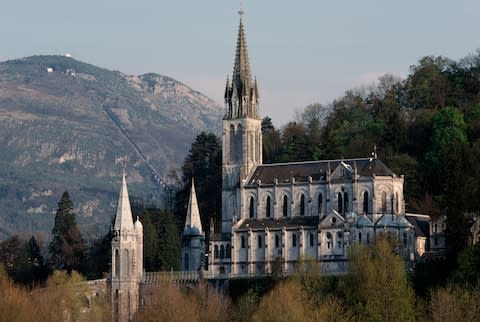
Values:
[(241, 12), (241, 95)]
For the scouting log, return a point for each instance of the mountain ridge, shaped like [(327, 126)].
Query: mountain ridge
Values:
[(65, 124)]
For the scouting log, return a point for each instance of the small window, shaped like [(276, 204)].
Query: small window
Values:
[(222, 252), (368, 238), (339, 240), (277, 241), (345, 202), (384, 202), (285, 206), (435, 228), (302, 205), (329, 240), (268, 207), (397, 202), (404, 239), (294, 240), (365, 202), (215, 251), (259, 238), (311, 240), (320, 204), (252, 207), (243, 241), (340, 203), (360, 237)]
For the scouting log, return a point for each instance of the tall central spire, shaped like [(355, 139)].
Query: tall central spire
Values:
[(241, 94)]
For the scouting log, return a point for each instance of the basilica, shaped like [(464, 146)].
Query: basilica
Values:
[(277, 215)]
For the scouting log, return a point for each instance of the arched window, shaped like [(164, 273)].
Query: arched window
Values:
[(302, 205), (384, 202), (360, 237), (365, 202), (339, 240), (186, 263), (345, 202), (243, 241), (405, 239), (340, 203), (311, 239), (277, 241), (391, 205), (117, 263), (215, 251), (268, 207), (285, 206), (294, 240), (320, 204), (228, 251), (259, 240), (233, 156), (329, 240), (222, 252), (252, 207)]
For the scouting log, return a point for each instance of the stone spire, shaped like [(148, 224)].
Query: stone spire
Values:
[(193, 225), (241, 94), (123, 219)]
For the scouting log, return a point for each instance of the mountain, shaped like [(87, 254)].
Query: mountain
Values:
[(68, 125)]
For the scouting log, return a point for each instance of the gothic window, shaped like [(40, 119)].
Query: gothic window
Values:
[(222, 252), (117, 263), (345, 202), (365, 202), (340, 203), (329, 240), (186, 263), (232, 144), (252, 207), (294, 240), (268, 207), (277, 241), (384, 202), (339, 239), (243, 241), (215, 251), (285, 206), (320, 204), (311, 239), (404, 239), (259, 240), (228, 251), (360, 237), (391, 205), (302, 205)]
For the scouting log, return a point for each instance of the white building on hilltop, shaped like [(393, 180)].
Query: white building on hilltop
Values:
[(275, 215)]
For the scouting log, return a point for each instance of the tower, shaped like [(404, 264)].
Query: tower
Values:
[(242, 130), (193, 237), (127, 259)]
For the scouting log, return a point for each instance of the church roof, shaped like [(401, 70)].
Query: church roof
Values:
[(317, 170), (193, 224), (123, 218), (278, 224)]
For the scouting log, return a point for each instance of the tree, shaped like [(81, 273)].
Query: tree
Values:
[(377, 286), (272, 145), (67, 248)]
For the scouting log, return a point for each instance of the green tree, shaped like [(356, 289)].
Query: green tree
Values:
[(377, 286), (67, 248)]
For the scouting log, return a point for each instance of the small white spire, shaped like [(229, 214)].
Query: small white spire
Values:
[(193, 223), (123, 218)]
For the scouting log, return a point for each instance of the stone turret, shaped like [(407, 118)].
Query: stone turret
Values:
[(193, 237), (127, 259)]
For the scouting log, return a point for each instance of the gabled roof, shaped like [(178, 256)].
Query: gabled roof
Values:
[(364, 221), (123, 218), (333, 219), (389, 221), (193, 224), (317, 170)]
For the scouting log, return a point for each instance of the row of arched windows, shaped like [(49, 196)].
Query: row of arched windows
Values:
[(343, 204), (222, 251), (260, 244)]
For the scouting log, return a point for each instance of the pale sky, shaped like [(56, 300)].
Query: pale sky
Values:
[(301, 51)]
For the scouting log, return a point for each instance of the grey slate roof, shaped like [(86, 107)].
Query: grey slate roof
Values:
[(317, 170), (278, 224)]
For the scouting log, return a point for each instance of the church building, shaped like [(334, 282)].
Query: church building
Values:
[(276, 215)]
